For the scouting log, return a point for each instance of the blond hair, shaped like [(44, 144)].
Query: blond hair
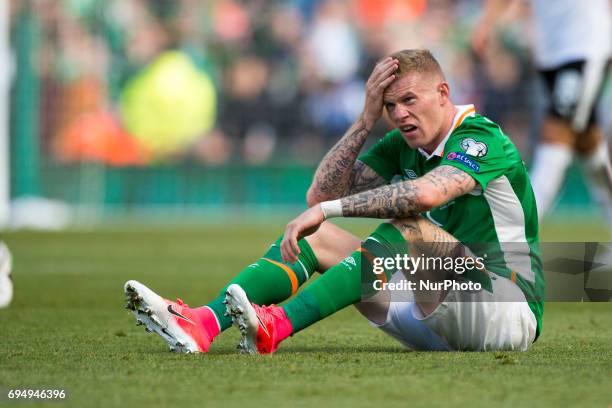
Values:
[(421, 61)]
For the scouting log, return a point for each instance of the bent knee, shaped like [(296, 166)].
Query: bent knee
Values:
[(412, 228), (331, 244), (408, 222)]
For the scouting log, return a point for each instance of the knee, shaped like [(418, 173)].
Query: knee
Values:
[(320, 235), (331, 244), (410, 227)]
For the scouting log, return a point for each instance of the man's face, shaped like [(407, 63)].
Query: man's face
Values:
[(416, 104)]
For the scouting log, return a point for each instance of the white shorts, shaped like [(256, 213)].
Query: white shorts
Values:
[(474, 321)]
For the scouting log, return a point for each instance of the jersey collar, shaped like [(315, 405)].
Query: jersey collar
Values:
[(463, 111)]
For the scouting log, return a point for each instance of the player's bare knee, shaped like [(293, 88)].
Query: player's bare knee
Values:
[(331, 244), (319, 235), (420, 229), (409, 227)]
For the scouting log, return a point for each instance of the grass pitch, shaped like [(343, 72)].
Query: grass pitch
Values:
[(67, 329)]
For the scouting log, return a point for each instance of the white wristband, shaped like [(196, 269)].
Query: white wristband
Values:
[(331, 209)]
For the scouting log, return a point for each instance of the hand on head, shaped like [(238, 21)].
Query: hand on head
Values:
[(381, 77)]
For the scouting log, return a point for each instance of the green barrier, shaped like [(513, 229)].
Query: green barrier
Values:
[(184, 184), (24, 142), (197, 185)]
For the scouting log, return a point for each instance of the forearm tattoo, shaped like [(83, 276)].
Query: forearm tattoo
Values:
[(333, 175), (408, 198), (397, 200)]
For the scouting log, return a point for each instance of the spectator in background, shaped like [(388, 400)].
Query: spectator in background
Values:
[(288, 74), (333, 56), (573, 48), (246, 111)]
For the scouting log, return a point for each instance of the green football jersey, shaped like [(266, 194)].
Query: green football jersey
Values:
[(498, 219)]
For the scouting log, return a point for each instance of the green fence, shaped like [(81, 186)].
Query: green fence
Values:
[(177, 185)]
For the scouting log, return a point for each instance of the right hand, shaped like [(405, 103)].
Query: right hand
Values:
[(381, 77), (305, 224)]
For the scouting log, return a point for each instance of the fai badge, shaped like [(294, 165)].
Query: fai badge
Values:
[(474, 148)]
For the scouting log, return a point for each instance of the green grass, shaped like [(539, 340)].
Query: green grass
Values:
[(67, 329)]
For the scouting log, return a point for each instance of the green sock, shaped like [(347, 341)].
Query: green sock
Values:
[(269, 280), (342, 284)]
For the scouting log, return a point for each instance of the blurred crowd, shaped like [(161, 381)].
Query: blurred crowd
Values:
[(132, 82)]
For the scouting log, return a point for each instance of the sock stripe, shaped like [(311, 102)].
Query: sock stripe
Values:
[(292, 278), (304, 269)]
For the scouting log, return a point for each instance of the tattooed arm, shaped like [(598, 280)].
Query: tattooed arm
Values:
[(334, 180), (411, 197), (399, 200), (340, 173), (363, 178)]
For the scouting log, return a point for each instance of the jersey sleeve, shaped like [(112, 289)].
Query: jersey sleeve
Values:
[(384, 156), (477, 149)]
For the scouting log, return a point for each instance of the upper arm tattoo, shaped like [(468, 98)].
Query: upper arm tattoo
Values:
[(411, 197), (364, 178), (447, 182), (332, 176)]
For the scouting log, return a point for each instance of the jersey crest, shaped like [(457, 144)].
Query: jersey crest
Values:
[(474, 148)]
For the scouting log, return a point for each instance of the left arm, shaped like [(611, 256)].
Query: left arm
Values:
[(399, 200)]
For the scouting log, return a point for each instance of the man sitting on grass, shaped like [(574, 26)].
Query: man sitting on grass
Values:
[(453, 187)]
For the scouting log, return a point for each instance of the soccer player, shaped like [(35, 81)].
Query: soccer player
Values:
[(6, 283), (573, 46), (457, 179)]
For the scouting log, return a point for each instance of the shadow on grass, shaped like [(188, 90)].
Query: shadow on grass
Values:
[(340, 349), (330, 349)]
